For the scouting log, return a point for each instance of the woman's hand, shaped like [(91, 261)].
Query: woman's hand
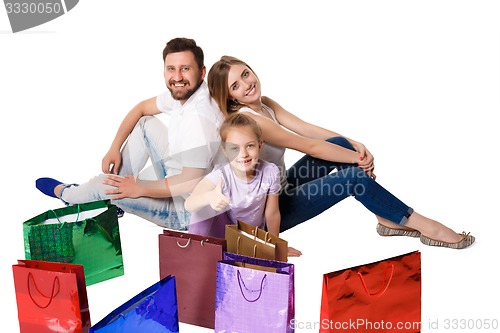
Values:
[(124, 187), (366, 159), (293, 252)]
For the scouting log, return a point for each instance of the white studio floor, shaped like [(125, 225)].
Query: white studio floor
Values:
[(417, 82), (334, 240)]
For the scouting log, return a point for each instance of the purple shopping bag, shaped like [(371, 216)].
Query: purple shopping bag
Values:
[(254, 295)]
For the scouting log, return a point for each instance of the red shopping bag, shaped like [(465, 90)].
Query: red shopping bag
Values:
[(384, 296), (51, 297), (192, 259)]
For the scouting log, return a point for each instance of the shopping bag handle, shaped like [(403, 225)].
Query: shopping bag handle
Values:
[(63, 223), (186, 245), (382, 289), (189, 241), (238, 248), (53, 293), (255, 232), (240, 282), (103, 231)]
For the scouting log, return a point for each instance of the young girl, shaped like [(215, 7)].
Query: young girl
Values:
[(246, 189), (310, 187)]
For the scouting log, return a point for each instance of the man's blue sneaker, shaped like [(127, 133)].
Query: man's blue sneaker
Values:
[(119, 212), (47, 186)]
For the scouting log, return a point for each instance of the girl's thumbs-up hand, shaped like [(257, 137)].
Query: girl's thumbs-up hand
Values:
[(218, 201)]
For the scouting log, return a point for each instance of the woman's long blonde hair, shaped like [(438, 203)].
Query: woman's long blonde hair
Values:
[(217, 83)]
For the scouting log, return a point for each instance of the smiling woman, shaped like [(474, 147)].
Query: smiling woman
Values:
[(334, 167)]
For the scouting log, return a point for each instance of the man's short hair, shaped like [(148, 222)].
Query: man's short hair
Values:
[(185, 44)]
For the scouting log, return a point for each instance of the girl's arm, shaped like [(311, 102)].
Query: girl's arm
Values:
[(273, 220), (272, 214), (207, 193)]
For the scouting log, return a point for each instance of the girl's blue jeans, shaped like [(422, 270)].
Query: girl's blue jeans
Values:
[(313, 187)]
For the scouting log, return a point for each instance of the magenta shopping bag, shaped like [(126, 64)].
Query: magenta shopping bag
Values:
[(254, 295)]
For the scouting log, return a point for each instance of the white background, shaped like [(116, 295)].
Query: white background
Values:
[(417, 81)]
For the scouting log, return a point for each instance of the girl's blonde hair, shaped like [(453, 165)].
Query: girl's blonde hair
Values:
[(237, 120)]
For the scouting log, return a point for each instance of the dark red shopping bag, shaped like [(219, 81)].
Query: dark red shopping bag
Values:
[(384, 296), (192, 259), (51, 297)]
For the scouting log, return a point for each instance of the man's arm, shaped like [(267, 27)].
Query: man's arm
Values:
[(112, 160), (129, 187)]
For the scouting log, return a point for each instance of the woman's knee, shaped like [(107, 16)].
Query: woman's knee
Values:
[(353, 175), (340, 141)]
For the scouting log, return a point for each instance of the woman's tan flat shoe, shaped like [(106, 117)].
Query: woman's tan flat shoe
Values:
[(386, 231), (467, 240)]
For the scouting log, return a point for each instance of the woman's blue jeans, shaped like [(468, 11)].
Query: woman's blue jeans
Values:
[(313, 187)]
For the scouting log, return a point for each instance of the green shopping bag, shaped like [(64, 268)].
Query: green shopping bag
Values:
[(86, 234)]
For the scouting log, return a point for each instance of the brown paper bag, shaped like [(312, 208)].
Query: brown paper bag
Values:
[(192, 259), (248, 240)]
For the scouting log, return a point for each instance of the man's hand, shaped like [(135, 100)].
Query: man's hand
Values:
[(124, 187), (111, 162)]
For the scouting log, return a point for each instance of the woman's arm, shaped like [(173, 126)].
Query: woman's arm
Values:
[(279, 136), (297, 125), (308, 130)]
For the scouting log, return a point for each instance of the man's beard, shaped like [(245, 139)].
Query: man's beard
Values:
[(184, 95)]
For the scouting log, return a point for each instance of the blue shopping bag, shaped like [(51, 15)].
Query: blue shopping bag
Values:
[(154, 311)]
